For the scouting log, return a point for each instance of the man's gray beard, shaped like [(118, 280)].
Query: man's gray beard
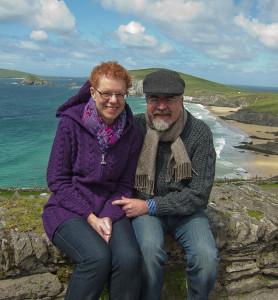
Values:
[(160, 125)]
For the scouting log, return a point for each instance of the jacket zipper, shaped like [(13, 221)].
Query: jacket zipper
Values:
[(103, 162)]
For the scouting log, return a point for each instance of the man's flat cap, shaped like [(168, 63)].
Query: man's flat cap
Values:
[(163, 82)]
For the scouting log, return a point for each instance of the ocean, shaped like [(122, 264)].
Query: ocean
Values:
[(28, 125)]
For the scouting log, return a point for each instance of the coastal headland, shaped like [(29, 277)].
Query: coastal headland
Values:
[(263, 142)]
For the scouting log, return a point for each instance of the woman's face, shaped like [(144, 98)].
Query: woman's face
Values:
[(110, 98)]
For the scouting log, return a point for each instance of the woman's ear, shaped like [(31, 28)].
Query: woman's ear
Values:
[(92, 91)]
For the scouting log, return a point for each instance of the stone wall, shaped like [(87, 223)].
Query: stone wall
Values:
[(244, 219)]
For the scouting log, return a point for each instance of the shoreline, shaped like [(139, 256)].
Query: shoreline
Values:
[(264, 165)]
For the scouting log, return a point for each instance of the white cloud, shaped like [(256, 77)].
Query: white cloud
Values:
[(133, 34), (165, 48), (38, 35), (40, 14), (170, 10), (79, 55), (28, 45), (17, 9), (177, 10), (200, 25), (266, 33), (56, 16), (130, 61), (125, 5)]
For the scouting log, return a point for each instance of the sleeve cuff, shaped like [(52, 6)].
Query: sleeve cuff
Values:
[(151, 207)]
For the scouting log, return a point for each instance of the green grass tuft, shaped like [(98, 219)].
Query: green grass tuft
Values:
[(258, 215)]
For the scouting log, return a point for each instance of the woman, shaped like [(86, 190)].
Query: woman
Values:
[(93, 162)]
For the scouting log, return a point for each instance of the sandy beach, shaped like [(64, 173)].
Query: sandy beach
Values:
[(265, 165)]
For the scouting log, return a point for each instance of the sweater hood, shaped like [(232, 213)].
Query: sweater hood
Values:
[(75, 105), (82, 96)]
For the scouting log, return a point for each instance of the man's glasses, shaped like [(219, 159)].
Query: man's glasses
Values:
[(154, 100), (108, 95)]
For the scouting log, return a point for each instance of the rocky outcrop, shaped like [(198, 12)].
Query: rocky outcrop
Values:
[(251, 117), (33, 80), (244, 219), (220, 100), (137, 88), (267, 148)]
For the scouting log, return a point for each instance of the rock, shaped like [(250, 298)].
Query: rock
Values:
[(244, 220), (137, 88), (268, 148), (30, 287), (220, 100), (33, 80), (252, 117)]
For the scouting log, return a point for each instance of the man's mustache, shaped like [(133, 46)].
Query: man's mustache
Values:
[(161, 112)]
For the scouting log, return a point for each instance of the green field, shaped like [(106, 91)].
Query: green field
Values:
[(266, 105)]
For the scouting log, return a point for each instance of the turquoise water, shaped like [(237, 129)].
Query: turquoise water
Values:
[(28, 124)]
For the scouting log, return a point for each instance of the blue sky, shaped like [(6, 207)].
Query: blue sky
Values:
[(227, 41)]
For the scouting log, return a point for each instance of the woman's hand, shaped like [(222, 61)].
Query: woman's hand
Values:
[(103, 226)]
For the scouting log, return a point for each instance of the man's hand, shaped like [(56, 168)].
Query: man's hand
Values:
[(132, 207), (103, 226)]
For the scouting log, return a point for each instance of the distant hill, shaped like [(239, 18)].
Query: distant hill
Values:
[(194, 85), (212, 93), (27, 78), (5, 73)]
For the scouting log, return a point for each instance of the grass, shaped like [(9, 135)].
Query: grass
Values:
[(258, 215), (266, 105), (269, 185), (5, 73), (23, 211)]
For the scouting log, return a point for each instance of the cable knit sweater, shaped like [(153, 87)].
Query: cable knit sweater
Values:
[(187, 196), (79, 183)]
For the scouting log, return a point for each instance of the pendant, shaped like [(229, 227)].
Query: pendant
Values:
[(103, 162)]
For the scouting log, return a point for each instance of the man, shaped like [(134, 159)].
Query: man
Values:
[(174, 178)]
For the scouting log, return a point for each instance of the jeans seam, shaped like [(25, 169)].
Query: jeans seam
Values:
[(70, 246)]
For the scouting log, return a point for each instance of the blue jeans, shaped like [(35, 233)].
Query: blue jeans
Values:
[(119, 263), (194, 235)]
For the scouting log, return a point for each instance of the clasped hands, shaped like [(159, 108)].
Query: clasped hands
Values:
[(132, 208), (103, 226)]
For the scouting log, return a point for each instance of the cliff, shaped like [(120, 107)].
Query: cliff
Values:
[(244, 219)]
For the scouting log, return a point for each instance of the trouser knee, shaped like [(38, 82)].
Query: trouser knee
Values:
[(203, 266), (98, 265), (128, 263)]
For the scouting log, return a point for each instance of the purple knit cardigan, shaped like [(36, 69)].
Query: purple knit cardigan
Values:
[(79, 183)]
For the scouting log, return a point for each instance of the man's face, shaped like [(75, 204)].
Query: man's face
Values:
[(163, 111)]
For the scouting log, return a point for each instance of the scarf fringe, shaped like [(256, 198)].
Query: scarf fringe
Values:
[(144, 184), (182, 171)]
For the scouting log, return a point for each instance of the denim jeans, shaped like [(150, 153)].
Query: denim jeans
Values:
[(194, 235), (119, 263)]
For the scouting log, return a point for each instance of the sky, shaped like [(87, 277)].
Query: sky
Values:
[(227, 41)]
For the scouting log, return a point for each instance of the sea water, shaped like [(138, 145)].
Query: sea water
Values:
[(28, 125)]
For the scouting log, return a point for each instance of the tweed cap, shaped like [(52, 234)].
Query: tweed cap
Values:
[(163, 82)]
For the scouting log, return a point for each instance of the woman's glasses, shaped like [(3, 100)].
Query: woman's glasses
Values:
[(108, 95)]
